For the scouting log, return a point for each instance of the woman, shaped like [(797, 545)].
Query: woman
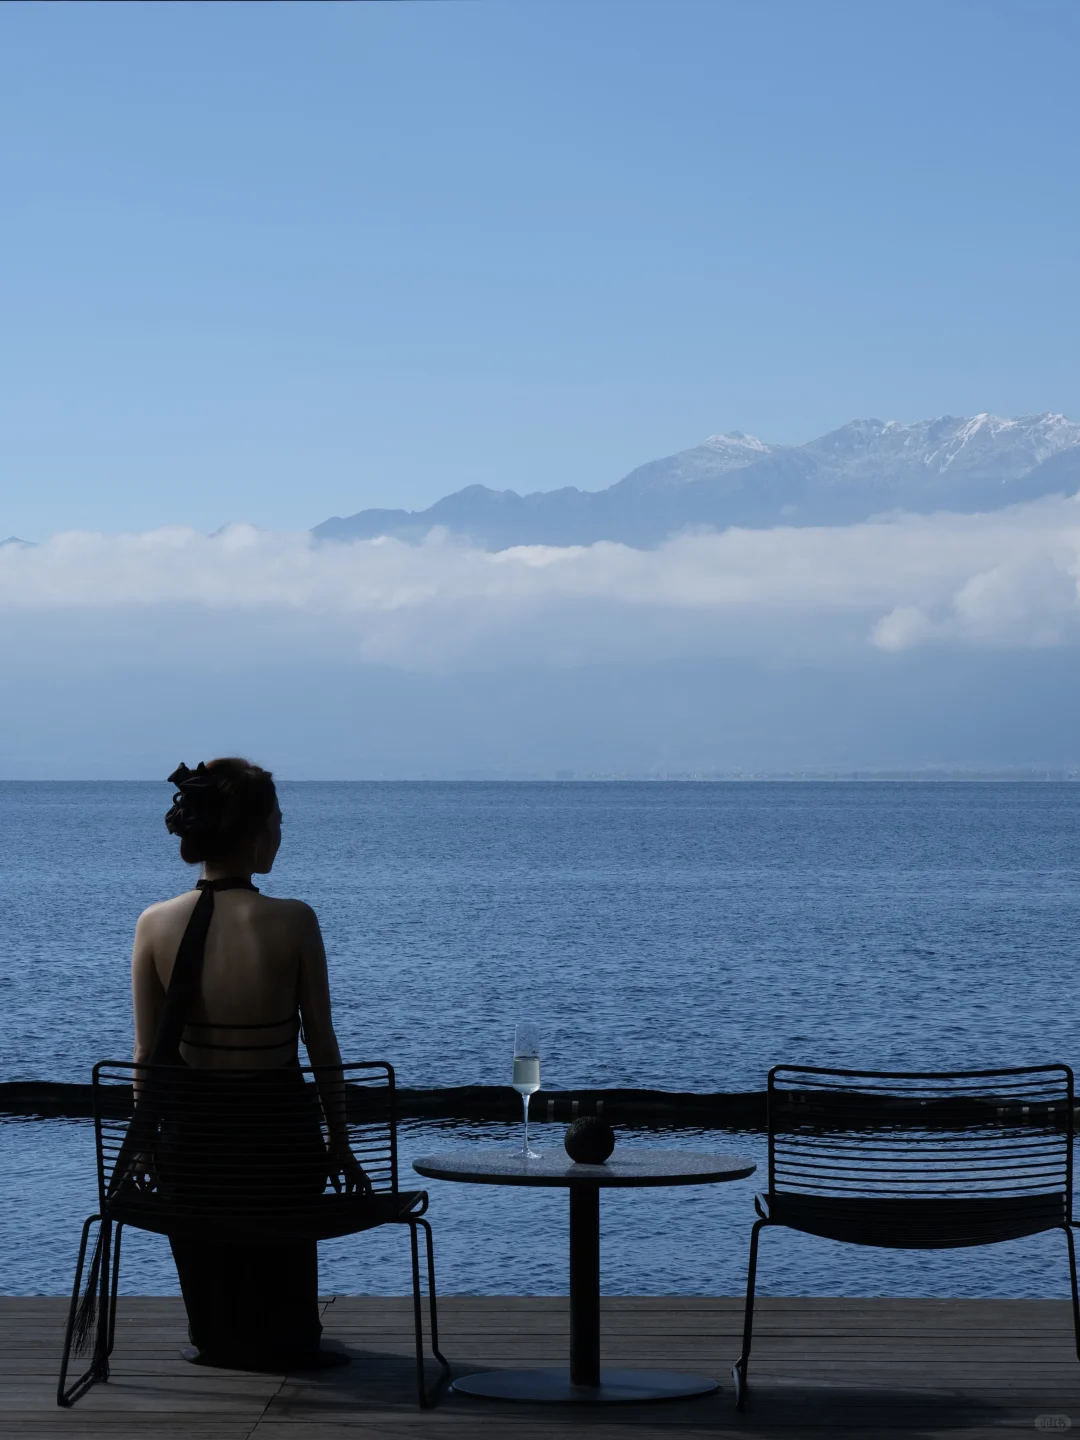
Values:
[(222, 980)]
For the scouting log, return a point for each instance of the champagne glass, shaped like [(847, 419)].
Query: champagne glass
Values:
[(526, 1079)]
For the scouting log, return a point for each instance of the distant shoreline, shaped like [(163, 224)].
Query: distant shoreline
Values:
[(794, 777)]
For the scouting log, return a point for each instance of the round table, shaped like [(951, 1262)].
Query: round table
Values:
[(585, 1380)]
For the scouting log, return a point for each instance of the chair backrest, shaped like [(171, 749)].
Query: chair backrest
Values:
[(937, 1135), (201, 1143)]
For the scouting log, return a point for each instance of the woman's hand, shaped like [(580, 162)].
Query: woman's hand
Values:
[(346, 1172), (141, 1173)]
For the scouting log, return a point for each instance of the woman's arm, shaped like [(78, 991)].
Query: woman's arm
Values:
[(321, 1041), (147, 991), (148, 1003), (324, 1051)]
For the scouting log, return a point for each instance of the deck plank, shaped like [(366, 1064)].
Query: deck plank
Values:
[(865, 1369)]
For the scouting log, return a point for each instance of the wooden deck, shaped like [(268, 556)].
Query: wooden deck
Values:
[(859, 1368)]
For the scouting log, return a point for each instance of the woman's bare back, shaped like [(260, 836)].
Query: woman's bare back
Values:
[(264, 961)]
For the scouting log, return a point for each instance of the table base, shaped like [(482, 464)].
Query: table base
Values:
[(617, 1387)]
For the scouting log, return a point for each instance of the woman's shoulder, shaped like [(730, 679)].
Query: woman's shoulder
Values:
[(295, 913), (165, 910)]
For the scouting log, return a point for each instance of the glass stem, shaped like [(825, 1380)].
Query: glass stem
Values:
[(525, 1102)]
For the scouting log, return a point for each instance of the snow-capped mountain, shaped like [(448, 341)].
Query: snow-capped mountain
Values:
[(718, 455), (985, 444), (865, 468)]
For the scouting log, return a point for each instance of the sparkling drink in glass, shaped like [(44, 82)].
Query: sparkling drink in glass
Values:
[(526, 1079)]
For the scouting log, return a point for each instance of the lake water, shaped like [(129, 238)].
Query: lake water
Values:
[(676, 935)]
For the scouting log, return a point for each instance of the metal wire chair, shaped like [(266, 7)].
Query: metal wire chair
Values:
[(238, 1156), (922, 1160)]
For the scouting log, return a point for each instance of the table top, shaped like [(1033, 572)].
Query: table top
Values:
[(629, 1166)]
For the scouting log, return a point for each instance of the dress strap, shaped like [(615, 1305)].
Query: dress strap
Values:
[(236, 1025), (178, 998), (184, 982), (231, 882)]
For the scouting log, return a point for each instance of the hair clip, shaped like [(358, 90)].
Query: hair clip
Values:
[(197, 801)]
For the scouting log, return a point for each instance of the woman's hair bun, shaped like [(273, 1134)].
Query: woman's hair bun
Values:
[(197, 803), (218, 806)]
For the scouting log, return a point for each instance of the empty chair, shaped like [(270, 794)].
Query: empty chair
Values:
[(916, 1160), (238, 1158)]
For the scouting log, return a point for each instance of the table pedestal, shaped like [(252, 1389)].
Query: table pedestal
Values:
[(585, 1382), (585, 1284)]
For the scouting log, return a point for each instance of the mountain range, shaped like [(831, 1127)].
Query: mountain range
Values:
[(866, 468)]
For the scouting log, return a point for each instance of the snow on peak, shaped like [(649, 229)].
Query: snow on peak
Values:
[(1034, 436), (736, 440), (993, 424)]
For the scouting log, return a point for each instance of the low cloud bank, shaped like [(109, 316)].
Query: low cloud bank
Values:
[(1005, 579)]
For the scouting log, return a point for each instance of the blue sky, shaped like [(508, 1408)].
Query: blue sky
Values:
[(281, 261)]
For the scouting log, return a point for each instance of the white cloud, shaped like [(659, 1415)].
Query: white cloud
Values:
[(1008, 578), (903, 628)]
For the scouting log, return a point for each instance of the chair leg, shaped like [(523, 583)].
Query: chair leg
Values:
[(418, 1320), (432, 1300), (102, 1347), (114, 1288), (426, 1397), (67, 1395), (741, 1366), (1075, 1289)]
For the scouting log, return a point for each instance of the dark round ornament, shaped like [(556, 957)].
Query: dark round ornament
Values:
[(589, 1140)]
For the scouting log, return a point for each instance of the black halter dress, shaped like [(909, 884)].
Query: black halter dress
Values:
[(238, 1150)]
